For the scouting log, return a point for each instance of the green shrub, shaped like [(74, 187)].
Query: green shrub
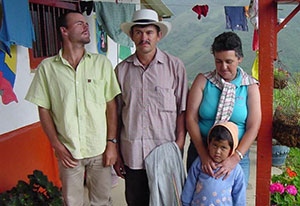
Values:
[(39, 192), (288, 99)]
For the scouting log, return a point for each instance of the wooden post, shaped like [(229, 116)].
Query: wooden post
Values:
[(267, 54)]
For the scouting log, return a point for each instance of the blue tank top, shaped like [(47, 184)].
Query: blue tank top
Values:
[(209, 105)]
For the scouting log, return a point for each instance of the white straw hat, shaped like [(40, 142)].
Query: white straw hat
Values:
[(144, 17)]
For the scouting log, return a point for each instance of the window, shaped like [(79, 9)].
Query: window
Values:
[(44, 14)]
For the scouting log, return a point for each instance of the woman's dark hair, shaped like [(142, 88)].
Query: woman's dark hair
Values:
[(220, 133), (62, 21), (228, 41)]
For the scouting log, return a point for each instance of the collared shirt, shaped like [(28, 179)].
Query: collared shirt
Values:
[(151, 100), (77, 100)]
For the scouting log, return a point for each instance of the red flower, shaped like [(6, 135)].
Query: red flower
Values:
[(291, 173)]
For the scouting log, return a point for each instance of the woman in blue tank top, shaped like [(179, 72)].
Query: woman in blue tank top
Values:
[(225, 94)]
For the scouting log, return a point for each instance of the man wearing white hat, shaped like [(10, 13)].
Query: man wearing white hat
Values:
[(152, 104)]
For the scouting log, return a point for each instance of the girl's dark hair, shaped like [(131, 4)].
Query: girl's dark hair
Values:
[(228, 41), (220, 133)]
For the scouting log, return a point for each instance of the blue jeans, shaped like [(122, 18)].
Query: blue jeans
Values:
[(245, 162)]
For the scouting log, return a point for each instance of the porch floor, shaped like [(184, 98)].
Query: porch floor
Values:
[(118, 195)]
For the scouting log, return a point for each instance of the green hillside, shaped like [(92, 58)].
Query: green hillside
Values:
[(190, 38)]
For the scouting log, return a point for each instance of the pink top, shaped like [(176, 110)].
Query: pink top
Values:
[(150, 101)]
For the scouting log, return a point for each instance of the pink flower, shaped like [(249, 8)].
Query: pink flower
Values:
[(291, 189), (276, 187)]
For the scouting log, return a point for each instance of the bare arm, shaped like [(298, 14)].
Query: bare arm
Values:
[(192, 119), (253, 119), (252, 127), (110, 154), (180, 130), (119, 166), (48, 126)]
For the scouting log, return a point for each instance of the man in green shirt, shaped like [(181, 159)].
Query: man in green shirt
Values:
[(75, 94)]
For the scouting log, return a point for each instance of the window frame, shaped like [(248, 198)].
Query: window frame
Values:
[(53, 7)]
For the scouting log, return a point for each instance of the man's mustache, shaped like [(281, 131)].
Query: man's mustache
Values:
[(143, 42)]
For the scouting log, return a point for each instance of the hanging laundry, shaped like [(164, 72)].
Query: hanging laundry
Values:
[(255, 41), (200, 10), (110, 15), (7, 93), (236, 18), (87, 6), (253, 13), (8, 75), (17, 25), (124, 52), (255, 67)]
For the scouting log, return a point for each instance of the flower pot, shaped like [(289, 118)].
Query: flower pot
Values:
[(279, 153), (280, 83), (286, 129)]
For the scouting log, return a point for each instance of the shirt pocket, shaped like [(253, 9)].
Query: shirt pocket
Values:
[(95, 91), (166, 99)]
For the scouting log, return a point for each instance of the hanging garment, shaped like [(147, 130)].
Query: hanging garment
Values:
[(8, 76), (110, 16), (255, 41), (17, 25), (165, 172), (200, 10), (236, 18), (86, 6), (7, 93), (254, 69), (253, 13)]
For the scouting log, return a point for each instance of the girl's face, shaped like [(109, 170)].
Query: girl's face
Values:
[(219, 150), (226, 64)]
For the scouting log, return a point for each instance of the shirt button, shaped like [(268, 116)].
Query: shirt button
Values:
[(78, 100), (77, 82)]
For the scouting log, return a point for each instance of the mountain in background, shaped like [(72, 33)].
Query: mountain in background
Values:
[(190, 39)]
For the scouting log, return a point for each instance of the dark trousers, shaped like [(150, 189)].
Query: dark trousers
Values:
[(136, 187), (191, 156)]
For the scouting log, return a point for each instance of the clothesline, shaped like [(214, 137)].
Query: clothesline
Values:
[(150, 4)]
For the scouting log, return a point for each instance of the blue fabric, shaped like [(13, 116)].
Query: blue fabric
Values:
[(202, 189), (236, 18), (7, 73), (245, 164), (16, 25), (209, 105), (110, 15)]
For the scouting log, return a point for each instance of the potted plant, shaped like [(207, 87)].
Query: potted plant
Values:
[(286, 118), (281, 77), (285, 187), (279, 153), (39, 191)]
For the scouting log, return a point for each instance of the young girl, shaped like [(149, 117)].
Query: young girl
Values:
[(202, 189)]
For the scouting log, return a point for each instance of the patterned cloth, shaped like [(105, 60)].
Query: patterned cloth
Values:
[(227, 98)]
